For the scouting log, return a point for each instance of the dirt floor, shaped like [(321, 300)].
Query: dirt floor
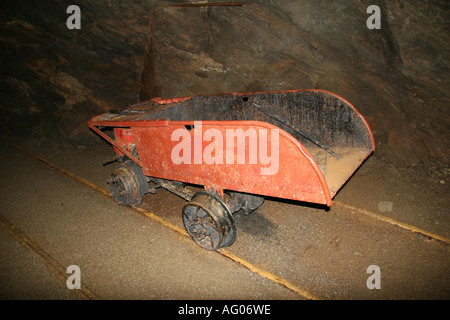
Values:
[(125, 255)]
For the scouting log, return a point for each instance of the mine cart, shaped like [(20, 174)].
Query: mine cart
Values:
[(236, 149)]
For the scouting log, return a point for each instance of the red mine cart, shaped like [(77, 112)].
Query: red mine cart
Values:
[(300, 145)]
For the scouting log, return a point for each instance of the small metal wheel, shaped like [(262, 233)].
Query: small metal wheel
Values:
[(209, 222), (128, 184)]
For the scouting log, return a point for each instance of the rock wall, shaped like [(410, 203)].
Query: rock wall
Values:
[(397, 77), (54, 79)]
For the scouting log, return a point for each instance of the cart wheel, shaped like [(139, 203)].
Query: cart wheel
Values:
[(209, 222), (128, 184)]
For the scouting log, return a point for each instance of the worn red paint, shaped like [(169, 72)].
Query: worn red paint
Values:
[(298, 177)]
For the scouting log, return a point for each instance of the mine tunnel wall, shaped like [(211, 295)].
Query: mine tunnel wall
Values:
[(55, 79)]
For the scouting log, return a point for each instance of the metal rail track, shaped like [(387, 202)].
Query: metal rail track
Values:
[(56, 268), (53, 265)]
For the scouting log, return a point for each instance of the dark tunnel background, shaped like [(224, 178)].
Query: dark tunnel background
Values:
[(55, 79)]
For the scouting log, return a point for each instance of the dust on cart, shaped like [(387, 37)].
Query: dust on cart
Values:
[(239, 147)]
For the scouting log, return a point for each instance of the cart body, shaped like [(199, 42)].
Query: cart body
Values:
[(300, 144)]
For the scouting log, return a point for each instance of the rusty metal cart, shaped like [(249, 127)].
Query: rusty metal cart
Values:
[(321, 141)]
